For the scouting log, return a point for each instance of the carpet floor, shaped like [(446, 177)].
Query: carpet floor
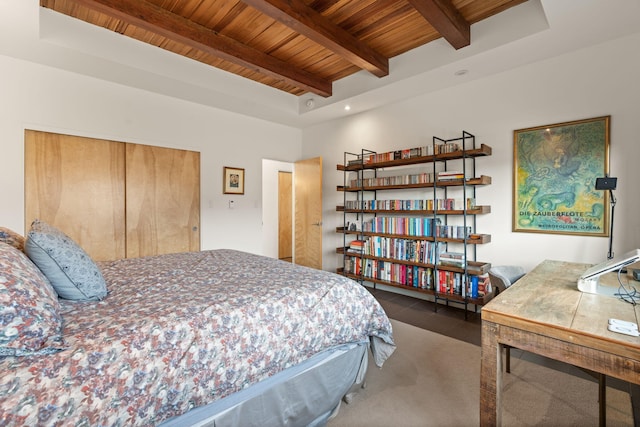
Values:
[(434, 380)]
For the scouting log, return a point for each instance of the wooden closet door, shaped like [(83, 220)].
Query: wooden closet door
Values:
[(77, 185), (163, 200)]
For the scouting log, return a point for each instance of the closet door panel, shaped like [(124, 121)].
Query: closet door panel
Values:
[(77, 185), (163, 200)]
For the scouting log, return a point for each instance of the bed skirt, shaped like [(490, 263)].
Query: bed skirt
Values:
[(303, 395)]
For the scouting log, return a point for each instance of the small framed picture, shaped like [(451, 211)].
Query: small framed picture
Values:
[(233, 180)]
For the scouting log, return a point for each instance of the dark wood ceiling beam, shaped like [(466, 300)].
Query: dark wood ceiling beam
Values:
[(311, 24), (150, 17), (446, 19)]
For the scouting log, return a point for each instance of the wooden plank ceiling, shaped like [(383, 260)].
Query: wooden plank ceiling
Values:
[(298, 46)]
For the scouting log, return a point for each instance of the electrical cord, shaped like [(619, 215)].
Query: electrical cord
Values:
[(631, 296)]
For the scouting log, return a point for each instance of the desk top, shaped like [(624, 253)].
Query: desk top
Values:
[(547, 301)]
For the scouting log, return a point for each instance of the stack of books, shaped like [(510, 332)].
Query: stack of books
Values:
[(450, 175), (447, 147), (356, 246), (455, 259)]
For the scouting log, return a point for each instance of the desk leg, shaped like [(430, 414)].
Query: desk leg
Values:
[(490, 377), (602, 399)]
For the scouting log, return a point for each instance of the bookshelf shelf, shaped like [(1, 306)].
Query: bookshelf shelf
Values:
[(425, 245)]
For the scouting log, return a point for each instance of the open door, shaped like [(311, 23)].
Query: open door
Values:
[(308, 212)]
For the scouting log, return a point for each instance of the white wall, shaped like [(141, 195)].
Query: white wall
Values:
[(48, 99), (601, 80)]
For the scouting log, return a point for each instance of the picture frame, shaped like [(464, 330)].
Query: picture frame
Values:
[(232, 180), (555, 168)]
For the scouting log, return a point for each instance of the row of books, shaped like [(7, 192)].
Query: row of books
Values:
[(388, 181), (415, 226), (444, 282), (421, 178), (421, 251), (407, 226), (453, 231), (407, 275), (453, 283), (409, 153), (411, 205)]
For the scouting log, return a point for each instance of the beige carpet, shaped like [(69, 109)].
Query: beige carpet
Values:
[(434, 380)]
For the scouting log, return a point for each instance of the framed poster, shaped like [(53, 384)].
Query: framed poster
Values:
[(555, 168), (233, 180)]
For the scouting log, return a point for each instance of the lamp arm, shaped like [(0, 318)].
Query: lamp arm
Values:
[(613, 207)]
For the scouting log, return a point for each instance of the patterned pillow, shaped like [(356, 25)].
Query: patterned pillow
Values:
[(12, 238), (30, 319), (68, 267)]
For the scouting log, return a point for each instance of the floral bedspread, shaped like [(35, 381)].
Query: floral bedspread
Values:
[(181, 330)]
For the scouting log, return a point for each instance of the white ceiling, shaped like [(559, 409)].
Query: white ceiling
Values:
[(533, 31)]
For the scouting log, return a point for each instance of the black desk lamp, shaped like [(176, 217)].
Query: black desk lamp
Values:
[(609, 183)]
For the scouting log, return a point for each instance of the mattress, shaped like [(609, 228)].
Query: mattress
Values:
[(182, 331)]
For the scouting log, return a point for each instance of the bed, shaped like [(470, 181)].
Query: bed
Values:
[(217, 338)]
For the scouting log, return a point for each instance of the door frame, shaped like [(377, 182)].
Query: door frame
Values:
[(270, 169)]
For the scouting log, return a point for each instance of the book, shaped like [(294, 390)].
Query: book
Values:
[(484, 285), (474, 286)]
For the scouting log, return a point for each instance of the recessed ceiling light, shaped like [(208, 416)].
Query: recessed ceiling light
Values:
[(347, 107), (460, 72)]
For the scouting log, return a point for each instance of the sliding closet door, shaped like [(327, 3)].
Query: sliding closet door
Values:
[(163, 200), (77, 185)]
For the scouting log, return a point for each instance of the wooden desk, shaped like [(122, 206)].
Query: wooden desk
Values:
[(546, 314)]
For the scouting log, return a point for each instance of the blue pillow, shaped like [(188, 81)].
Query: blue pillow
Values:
[(71, 271)]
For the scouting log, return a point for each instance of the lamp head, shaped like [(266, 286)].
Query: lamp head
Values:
[(606, 183)]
